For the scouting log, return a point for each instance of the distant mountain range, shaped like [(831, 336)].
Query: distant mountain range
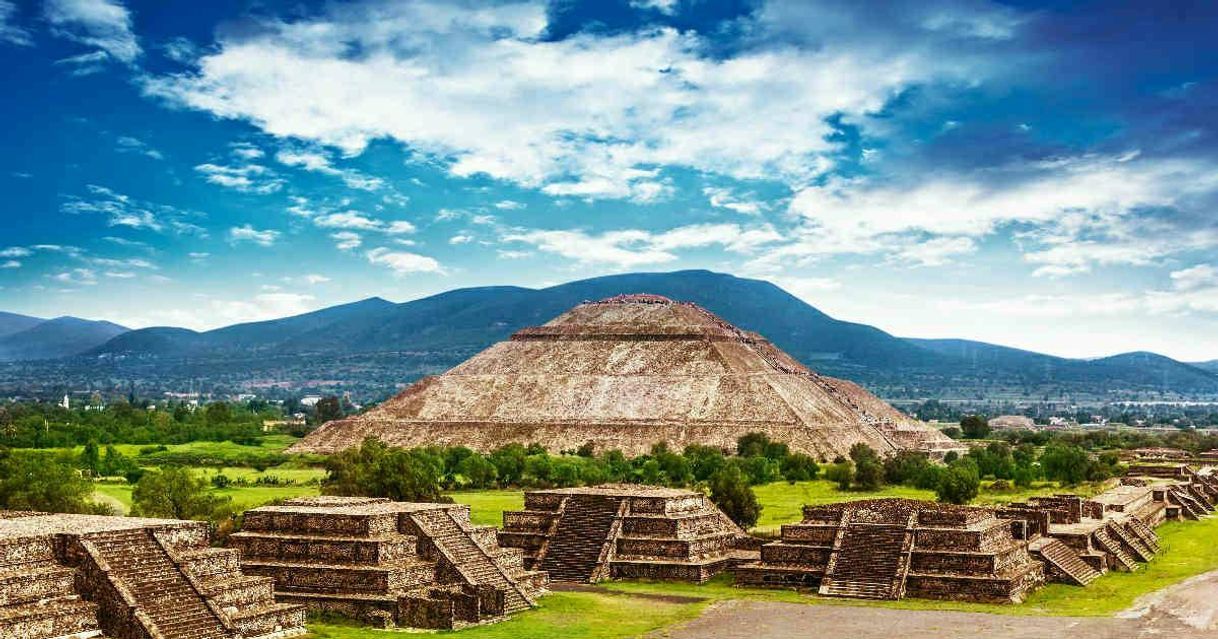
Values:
[(32, 338), (434, 333)]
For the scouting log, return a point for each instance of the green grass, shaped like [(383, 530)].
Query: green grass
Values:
[(593, 614), (487, 506), (267, 444), (782, 502)]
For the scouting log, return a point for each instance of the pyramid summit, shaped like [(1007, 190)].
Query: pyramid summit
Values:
[(625, 373)]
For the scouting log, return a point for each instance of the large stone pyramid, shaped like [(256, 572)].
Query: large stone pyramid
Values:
[(625, 373)]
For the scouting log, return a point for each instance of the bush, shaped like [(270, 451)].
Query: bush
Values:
[(799, 467), (1066, 463), (176, 493), (905, 466), (730, 491), (375, 470), (841, 474), (36, 480), (975, 427), (868, 470), (959, 484)]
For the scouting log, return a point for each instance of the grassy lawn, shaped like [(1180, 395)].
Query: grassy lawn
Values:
[(487, 506)]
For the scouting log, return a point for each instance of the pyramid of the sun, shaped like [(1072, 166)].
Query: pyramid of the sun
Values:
[(627, 372)]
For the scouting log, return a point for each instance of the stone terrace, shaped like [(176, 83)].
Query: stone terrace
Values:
[(892, 548), (129, 578), (584, 535), (387, 563)]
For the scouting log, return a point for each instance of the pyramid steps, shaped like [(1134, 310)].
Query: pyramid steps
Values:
[(574, 552), (870, 561), (1066, 560)]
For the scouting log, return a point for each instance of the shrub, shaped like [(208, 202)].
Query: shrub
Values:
[(975, 427), (842, 474), (799, 467), (176, 493), (959, 484), (730, 491)]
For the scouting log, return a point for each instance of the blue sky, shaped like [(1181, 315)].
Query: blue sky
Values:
[(1034, 174)]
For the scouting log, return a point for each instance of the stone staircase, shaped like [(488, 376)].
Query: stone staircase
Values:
[(1065, 559), (871, 561), (1132, 543), (472, 561), (576, 549), (38, 598), (161, 590), (1113, 547), (1188, 503), (1144, 532)]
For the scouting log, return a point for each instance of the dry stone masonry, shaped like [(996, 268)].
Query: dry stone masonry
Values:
[(584, 535), (129, 578), (392, 564), (893, 548), (625, 373)]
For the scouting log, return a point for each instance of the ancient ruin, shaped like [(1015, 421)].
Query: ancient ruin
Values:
[(129, 578), (584, 535), (391, 564), (893, 548), (627, 372)]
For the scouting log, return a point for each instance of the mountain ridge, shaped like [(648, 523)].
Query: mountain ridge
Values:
[(433, 333)]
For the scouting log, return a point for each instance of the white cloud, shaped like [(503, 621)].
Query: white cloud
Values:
[(10, 32), (102, 24), (314, 279), (16, 251), (346, 240), (246, 151), (11, 264), (247, 233), (1195, 277), (399, 227), (591, 115), (128, 144), (633, 247), (347, 220), (76, 276), (402, 262), (264, 306), (933, 252), (1083, 211), (124, 210), (319, 162), (727, 199), (509, 205), (247, 178), (460, 239), (668, 7)]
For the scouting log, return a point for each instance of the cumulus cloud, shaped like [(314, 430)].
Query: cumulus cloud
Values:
[(725, 198), (356, 221), (247, 233), (319, 162), (128, 144), (315, 278), (633, 247), (591, 115), (76, 276), (247, 178), (347, 240), (403, 262), (1195, 277), (104, 25)]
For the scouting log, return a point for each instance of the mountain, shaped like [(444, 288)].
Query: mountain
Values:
[(375, 345), (13, 323), (1126, 370), (1211, 365), (56, 338), (474, 318)]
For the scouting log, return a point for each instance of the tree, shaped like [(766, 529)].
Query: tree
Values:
[(90, 458), (478, 471), (176, 493), (42, 481), (799, 467), (730, 491), (1066, 463), (905, 466), (868, 470), (703, 460), (376, 470), (327, 409), (959, 484), (975, 427)]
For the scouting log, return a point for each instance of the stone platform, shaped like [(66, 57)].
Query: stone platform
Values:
[(893, 548), (584, 535), (129, 578), (391, 564)]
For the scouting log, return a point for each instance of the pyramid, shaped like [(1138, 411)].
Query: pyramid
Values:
[(625, 373)]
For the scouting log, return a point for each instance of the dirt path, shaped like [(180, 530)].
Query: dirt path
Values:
[(1191, 605), (772, 620), (113, 502)]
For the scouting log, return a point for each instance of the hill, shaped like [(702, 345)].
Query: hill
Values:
[(13, 323), (56, 338), (373, 346)]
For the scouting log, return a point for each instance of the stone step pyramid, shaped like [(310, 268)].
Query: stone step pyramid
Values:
[(625, 373)]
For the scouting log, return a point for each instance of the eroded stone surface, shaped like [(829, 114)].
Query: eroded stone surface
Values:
[(625, 373), (130, 578), (388, 563)]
